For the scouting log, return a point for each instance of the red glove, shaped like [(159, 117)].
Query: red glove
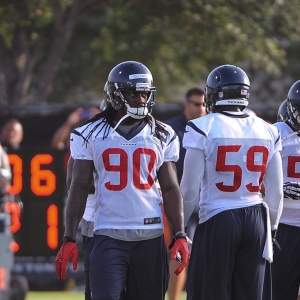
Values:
[(181, 246), (67, 250)]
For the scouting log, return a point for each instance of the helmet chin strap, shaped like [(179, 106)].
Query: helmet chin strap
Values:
[(121, 120), (137, 113), (129, 115)]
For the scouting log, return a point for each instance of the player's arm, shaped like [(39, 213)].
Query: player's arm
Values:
[(62, 134), (193, 171), (273, 182), (69, 176), (69, 171), (167, 177), (82, 175)]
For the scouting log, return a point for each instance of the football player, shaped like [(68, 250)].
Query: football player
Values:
[(87, 222), (129, 150), (286, 266), (230, 153)]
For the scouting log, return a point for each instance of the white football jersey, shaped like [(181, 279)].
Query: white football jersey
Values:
[(237, 149), (290, 155), (127, 165)]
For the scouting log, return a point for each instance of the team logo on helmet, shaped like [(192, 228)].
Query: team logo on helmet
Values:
[(137, 76)]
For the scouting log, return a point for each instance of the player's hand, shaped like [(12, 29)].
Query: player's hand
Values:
[(274, 240), (291, 190), (67, 250), (180, 247)]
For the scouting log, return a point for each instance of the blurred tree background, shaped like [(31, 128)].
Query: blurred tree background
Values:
[(61, 51)]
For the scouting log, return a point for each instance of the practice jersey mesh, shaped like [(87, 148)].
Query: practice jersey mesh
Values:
[(237, 150), (127, 165), (290, 155)]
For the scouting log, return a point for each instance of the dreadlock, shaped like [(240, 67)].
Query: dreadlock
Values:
[(160, 131), (107, 117)]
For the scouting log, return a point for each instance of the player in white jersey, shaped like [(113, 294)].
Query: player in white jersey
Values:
[(286, 266), (129, 150), (231, 154), (87, 222)]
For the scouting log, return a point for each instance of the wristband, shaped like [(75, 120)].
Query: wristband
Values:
[(180, 235), (179, 232), (68, 239)]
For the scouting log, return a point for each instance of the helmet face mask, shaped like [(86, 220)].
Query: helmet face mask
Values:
[(105, 100), (293, 104), (124, 82), (293, 107), (227, 85)]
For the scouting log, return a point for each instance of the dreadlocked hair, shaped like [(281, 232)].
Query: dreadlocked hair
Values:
[(160, 131), (107, 117)]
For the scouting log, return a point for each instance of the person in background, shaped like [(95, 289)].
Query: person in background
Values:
[(61, 138), (11, 135), (14, 287), (286, 265), (230, 154), (129, 150), (193, 108), (6, 256), (5, 178)]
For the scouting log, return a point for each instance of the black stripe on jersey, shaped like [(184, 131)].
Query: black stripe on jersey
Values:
[(79, 134), (234, 116), (278, 137), (173, 138), (195, 128), (76, 132)]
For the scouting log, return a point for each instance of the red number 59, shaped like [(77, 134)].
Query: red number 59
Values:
[(221, 166)]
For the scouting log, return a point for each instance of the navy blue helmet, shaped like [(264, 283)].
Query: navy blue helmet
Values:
[(131, 76), (227, 85), (282, 113), (293, 103)]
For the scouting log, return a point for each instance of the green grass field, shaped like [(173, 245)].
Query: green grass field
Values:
[(64, 296), (55, 296)]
